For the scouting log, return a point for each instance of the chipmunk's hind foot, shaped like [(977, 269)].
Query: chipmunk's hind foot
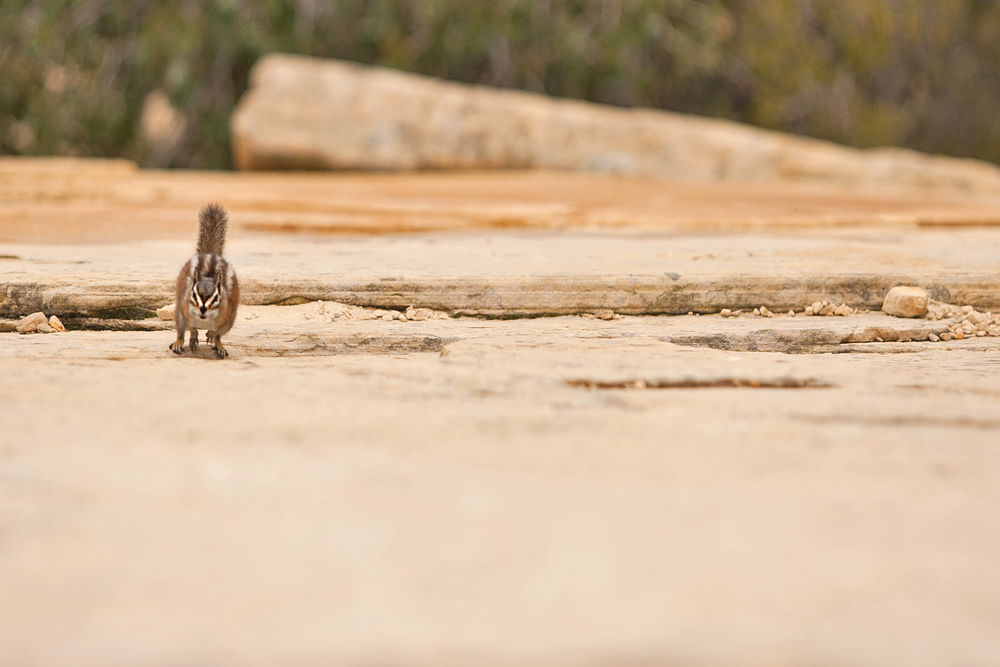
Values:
[(216, 342), (194, 340)]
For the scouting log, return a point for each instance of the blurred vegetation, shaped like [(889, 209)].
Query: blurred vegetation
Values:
[(918, 73)]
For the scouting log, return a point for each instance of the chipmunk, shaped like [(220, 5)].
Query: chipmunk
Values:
[(207, 290)]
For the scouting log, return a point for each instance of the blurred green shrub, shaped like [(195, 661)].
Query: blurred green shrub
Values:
[(74, 74)]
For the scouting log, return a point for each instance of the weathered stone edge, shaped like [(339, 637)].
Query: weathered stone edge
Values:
[(519, 297)]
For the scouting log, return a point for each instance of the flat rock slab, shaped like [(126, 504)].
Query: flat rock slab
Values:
[(554, 491), (519, 274)]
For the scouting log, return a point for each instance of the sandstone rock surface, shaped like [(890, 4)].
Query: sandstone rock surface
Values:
[(385, 485), (550, 492), (906, 301), (305, 113)]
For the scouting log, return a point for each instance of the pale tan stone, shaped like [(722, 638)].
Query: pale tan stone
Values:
[(56, 324), (29, 323), (843, 310), (308, 113), (977, 318), (166, 313), (906, 301)]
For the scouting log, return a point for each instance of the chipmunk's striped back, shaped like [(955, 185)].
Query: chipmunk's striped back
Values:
[(208, 292)]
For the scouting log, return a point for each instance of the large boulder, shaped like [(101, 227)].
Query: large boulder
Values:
[(307, 113)]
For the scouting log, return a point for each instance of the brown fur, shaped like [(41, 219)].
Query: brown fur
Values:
[(200, 278), (213, 222)]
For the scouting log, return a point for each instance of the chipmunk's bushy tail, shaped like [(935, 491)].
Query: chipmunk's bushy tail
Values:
[(212, 223)]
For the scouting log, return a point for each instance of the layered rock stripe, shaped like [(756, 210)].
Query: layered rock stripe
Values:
[(520, 243), (515, 275)]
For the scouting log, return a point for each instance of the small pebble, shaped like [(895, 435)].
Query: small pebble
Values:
[(29, 323), (606, 315), (933, 338), (56, 324), (808, 310), (817, 306), (402, 317), (387, 317), (166, 313), (725, 312), (906, 301), (791, 313), (43, 328), (946, 336), (843, 310), (959, 335), (756, 311)]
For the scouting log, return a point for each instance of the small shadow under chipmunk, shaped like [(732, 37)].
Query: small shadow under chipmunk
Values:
[(205, 351)]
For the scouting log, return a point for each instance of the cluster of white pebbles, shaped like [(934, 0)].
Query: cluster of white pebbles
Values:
[(824, 308), (969, 322)]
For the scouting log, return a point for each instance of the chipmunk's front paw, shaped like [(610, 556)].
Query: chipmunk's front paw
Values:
[(176, 348), (221, 352)]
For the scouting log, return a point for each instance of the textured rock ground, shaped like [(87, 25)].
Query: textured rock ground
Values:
[(306, 113), (555, 491), (348, 489)]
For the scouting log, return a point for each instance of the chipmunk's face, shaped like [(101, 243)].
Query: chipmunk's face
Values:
[(205, 297)]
